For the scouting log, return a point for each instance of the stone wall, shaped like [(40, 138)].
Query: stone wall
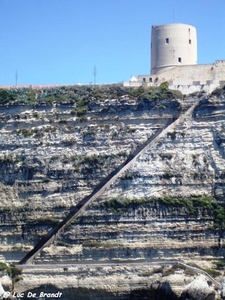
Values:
[(187, 79)]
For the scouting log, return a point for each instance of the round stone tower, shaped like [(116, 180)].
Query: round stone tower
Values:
[(173, 45)]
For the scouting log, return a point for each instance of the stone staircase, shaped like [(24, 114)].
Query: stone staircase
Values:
[(107, 182), (187, 103)]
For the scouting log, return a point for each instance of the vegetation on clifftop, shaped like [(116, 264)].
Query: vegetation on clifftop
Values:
[(82, 95), (155, 93)]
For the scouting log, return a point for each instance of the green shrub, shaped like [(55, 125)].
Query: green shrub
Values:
[(96, 244), (124, 204), (137, 92), (114, 204), (6, 209), (212, 272), (31, 95), (6, 96), (38, 134), (3, 266), (73, 111), (12, 271), (177, 94), (81, 107), (81, 118), (50, 99), (25, 132), (164, 87), (220, 265), (192, 204), (219, 217), (44, 221)]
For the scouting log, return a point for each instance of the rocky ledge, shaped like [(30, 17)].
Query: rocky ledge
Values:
[(57, 144)]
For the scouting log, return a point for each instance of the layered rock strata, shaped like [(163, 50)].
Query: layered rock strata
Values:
[(169, 205)]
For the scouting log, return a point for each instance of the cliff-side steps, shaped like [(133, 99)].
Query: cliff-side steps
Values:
[(200, 271), (104, 184)]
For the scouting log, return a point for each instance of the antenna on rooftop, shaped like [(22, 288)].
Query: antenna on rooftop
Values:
[(95, 74)]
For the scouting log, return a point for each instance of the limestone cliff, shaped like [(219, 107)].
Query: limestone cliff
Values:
[(57, 144)]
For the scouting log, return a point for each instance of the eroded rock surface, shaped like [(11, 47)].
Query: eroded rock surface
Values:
[(169, 205)]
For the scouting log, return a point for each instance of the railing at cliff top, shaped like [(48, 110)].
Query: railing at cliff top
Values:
[(101, 187)]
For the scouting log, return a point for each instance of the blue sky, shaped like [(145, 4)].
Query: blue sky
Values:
[(60, 41)]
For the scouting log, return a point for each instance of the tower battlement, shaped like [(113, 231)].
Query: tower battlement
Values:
[(174, 59)]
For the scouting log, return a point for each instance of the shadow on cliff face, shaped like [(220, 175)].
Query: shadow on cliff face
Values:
[(76, 293), (164, 292), (157, 291)]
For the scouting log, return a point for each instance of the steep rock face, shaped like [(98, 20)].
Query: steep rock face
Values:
[(117, 283), (168, 205), (51, 158), (185, 164)]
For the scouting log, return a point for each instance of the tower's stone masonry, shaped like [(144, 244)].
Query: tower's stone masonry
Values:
[(174, 59)]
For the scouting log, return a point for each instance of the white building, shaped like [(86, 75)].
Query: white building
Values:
[(174, 59)]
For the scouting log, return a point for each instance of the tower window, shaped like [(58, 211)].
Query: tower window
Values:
[(179, 59), (167, 40), (190, 42)]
